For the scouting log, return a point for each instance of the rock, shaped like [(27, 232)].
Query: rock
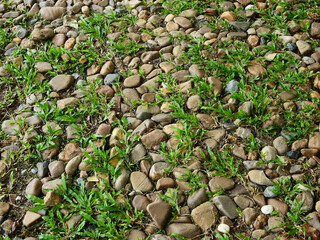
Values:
[(73, 221), (186, 230), (107, 68), (53, 184), (137, 153), (315, 32), (194, 103), (61, 82), (111, 78), (240, 26), (244, 133), (136, 234), (132, 81), (256, 70), (10, 127), (232, 86), (183, 22), (268, 153), (154, 138), (223, 228), (43, 67), (52, 199), (165, 183), (197, 198), (43, 169), (160, 237), (280, 144), (226, 206), (116, 137), (51, 13), (158, 170), (267, 209), (205, 215), (243, 201), (160, 212), (149, 56), (4, 208), (314, 141), (140, 182), (121, 180), (72, 165), (278, 205), (196, 70), (34, 187), (140, 203), (229, 16), (30, 218), (274, 224), (303, 47), (250, 214), (69, 43), (70, 151), (217, 183), (307, 199), (269, 192), (259, 177)]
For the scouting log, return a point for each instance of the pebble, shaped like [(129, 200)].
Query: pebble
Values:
[(217, 183), (205, 215), (160, 212), (259, 177), (31, 218), (4, 208), (34, 187), (111, 78), (197, 198), (140, 182), (232, 86), (269, 192), (186, 230), (223, 228), (267, 209), (226, 206), (268, 153), (61, 82)]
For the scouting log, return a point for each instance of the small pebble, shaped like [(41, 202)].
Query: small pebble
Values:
[(34, 170), (268, 192), (223, 228), (79, 180), (267, 209)]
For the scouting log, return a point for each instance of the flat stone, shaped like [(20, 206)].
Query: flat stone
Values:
[(111, 78), (61, 82), (140, 182), (30, 218), (303, 47), (34, 187), (205, 215), (183, 22), (278, 205), (43, 67), (4, 208), (160, 212), (226, 206), (198, 197), (72, 165), (132, 81), (314, 141), (154, 138), (240, 26), (10, 127), (140, 203), (137, 153), (217, 183), (186, 230), (315, 32), (196, 70), (250, 214), (259, 177)]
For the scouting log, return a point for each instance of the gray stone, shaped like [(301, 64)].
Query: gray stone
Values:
[(111, 78), (240, 26), (226, 206), (198, 197), (232, 86), (268, 192), (43, 169), (137, 153), (10, 127)]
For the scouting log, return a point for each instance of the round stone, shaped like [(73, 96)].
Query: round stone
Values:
[(267, 209), (223, 228)]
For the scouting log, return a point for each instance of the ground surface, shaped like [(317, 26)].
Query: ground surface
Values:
[(159, 119)]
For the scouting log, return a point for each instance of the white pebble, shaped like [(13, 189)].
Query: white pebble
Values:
[(267, 209), (223, 228)]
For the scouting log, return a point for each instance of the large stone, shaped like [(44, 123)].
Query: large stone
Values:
[(205, 216), (186, 230), (259, 177), (43, 67), (314, 141), (4, 208), (160, 212), (51, 13), (140, 182), (154, 138), (34, 187), (221, 183), (198, 197), (30, 218), (226, 206), (61, 82)]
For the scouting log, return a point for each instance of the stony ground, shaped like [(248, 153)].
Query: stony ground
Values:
[(159, 119)]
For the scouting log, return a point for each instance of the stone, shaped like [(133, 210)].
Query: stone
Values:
[(268, 153), (149, 56), (205, 215), (274, 224), (43, 67), (132, 81), (267, 209), (154, 138), (10, 127), (136, 234), (72, 165), (280, 144), (269, 192), (256, 70), (223, 228), (53, 184), (259, 177), (140, 182), (51, 13), (196, 70), (69, 43), (232, 86), (73, 221), (307, 199), (70, 151), (278, 205), (59, 39), (244, 133), (4, 208), (160, 213), (165, 183), (303, 47), (240, 26), (52, 199), (314, 141), (183, 22), (198, 197), (43, 169), (186, 230), (121, 180), (217, 183), (111, 78), (61, 82), (140, 203), (229, 16), (250, 214), (158, 170), (30, 218), (315, 32), (226, 206), (34, 187), (243, 201), (194, 103)]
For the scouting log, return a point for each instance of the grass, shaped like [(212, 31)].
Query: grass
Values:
[(106, 213)]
